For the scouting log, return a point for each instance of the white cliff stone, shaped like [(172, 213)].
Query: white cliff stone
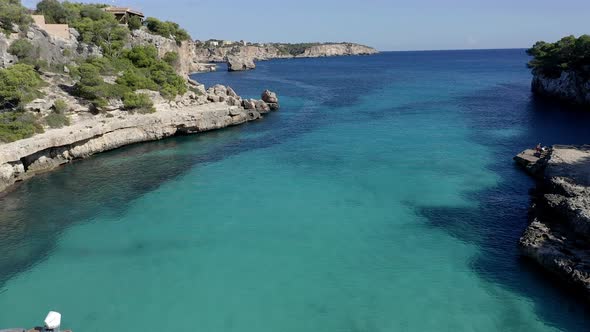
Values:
[(569, 87)]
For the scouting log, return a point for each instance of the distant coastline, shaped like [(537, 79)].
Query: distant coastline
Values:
[(561, 70)]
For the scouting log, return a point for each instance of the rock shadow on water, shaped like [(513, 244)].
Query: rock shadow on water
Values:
[(501, 216), (37, 211)]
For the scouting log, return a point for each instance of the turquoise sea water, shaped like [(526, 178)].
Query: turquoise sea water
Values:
[(381, 197)]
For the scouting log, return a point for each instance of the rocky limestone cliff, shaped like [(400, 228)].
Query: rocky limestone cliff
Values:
[(569, 87), (337, 50), (52, 50), (194, 112), (558, 237), (221, 53), (6, 59), (188, 59)]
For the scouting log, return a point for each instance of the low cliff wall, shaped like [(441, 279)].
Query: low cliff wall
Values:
[(24, 158), (558, 237), (569, 87)]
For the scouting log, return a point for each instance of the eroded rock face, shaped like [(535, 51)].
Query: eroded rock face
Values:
[(6, 59), (569, 87), (194, 112), (558, 237), (237, 63), (188, 61), (55, 51)]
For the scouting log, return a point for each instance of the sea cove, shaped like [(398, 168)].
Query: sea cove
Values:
[(380, 197)]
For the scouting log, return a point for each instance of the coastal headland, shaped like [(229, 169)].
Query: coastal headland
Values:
[(561, 70)]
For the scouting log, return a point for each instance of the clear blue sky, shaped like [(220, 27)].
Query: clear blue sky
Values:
[(384, 24)]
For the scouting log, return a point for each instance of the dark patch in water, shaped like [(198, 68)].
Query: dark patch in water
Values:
[(502, 215)]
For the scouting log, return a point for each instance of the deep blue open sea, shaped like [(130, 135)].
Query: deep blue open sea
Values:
[(381, 197)]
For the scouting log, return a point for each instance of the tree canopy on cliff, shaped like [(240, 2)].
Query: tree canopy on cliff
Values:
[(18, 84), (12, 12), (137, 68), (166, 29), (568, 54)]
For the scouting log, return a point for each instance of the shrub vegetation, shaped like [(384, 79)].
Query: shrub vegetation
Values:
[(18, 125), (171, 58), (166, 29), (57, 120), (18, 84), (138, 102), (136, 68), (12, 12), (134, 23), (569, 53), (60, 106), (24, 51), (139, 68)]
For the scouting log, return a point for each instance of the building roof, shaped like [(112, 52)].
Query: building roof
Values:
[(123, 10)]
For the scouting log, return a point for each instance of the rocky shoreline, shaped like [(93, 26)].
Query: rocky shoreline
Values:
[(243, 57), (558, 236), (220, 107)]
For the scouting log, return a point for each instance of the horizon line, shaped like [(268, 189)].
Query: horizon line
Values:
[(457, 49)]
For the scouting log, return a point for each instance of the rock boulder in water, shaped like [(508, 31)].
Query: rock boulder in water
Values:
[(249, 104), (262, 107), (271, 99), (236, 63)]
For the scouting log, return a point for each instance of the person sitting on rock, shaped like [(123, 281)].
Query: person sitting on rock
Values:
[(539, 148)]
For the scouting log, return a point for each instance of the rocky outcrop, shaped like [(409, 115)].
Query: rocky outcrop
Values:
[(188, 60), (570, 87), (239, 63), (533, 162), (195, 112), (271, 99), (6, 59), (52, 50), (558, 237)]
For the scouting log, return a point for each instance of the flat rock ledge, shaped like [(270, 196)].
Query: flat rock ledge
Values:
[(43, 152), (558, 236)]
